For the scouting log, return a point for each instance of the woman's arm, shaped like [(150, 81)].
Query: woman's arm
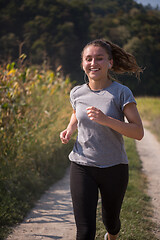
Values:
[(71, 128), (133, 128)]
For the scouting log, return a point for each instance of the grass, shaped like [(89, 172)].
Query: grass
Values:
[(31, 154), (136, 210), (149, 109)]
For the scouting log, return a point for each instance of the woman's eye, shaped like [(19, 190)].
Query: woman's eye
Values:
[(89, 59)]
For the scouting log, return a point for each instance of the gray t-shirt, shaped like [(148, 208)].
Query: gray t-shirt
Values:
[(97, 145)]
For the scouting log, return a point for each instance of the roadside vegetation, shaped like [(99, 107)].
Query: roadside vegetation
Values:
[(149, 108), (34, 107)]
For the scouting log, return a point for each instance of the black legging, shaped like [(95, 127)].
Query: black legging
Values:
[(85, 182)]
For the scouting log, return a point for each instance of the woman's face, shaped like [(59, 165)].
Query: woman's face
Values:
[(95, 62)]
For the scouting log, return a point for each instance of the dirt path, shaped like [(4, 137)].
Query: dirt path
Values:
[(149, 152), (52, 217)]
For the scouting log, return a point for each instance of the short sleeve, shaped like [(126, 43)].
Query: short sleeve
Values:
[(72, 97), (127, 97)]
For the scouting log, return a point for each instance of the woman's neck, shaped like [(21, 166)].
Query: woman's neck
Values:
[(99, 85)]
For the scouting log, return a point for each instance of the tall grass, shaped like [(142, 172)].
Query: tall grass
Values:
[(34, 107)]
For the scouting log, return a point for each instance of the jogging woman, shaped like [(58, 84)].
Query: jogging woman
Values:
[(98, 160)]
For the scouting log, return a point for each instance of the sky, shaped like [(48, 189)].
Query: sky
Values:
[(153, 3)]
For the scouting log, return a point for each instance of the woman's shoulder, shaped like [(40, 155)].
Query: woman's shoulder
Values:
[(120, 88), (77, 89)]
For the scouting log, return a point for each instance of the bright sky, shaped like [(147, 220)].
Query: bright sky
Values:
[(153, 3)]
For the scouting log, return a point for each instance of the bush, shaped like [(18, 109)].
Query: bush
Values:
[(32, 106)]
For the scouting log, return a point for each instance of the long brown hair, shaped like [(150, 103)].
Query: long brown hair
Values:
[(123, 62)]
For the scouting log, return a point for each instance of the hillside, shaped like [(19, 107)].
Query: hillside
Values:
[(56, 31)]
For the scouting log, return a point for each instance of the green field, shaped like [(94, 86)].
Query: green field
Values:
[(149, 108)]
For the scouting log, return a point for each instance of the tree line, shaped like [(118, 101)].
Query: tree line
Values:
[(55, 31)]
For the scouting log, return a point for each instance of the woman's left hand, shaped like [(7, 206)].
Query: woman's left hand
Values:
[(96, 115), (133, 128)]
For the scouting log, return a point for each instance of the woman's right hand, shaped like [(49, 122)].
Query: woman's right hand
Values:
[(65, 136)]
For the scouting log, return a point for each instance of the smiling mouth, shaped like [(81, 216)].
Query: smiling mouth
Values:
[(94, 69)]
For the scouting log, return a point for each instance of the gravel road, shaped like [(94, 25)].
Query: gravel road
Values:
[(52, 217), (149, 152)]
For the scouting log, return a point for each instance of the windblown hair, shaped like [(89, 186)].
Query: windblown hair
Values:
[(123, 62)]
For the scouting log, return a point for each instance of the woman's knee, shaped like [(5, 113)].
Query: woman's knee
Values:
[(86, 232), (113, 226)]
